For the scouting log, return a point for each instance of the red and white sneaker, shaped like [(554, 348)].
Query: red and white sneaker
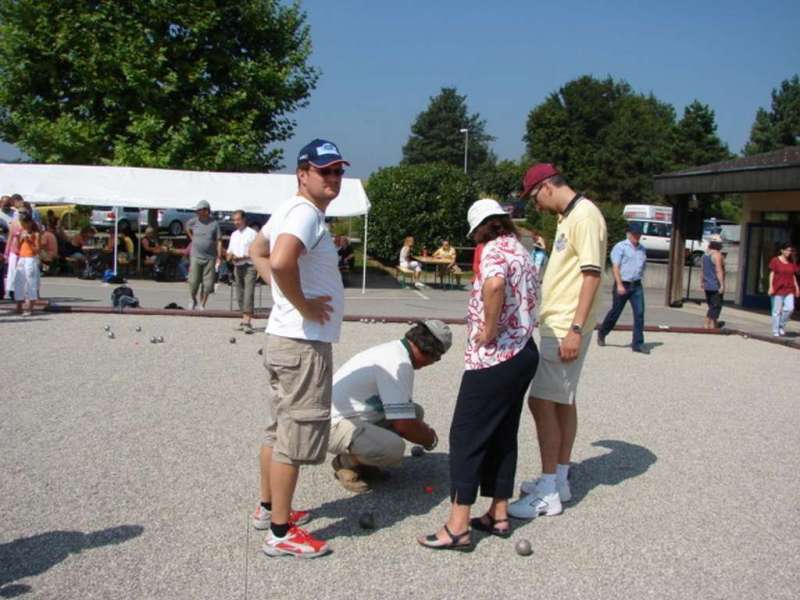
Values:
[(298, 542), (261, 518)]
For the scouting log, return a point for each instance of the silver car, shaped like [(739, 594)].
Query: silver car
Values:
[(103, 218), (172, 220)]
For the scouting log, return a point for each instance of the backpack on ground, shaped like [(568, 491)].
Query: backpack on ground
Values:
[(123, 297)]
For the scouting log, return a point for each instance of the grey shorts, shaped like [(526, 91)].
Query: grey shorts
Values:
[(373, 443), (555, 380), (300, 374), (201, 271)]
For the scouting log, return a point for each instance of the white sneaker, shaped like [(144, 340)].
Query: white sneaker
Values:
[(419, 285), (194, 304), (782, 331), (562, 487), (533, 505)]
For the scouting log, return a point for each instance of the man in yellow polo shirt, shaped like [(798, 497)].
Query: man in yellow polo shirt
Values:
[(567, 317)]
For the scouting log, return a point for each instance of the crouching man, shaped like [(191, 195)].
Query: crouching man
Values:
[(372, 408)]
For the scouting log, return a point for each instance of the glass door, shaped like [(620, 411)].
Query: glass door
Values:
[(763, 240)]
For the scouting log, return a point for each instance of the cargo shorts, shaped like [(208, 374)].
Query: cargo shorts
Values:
[(300, 374)]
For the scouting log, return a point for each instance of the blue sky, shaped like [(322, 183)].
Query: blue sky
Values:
[(381, 62)]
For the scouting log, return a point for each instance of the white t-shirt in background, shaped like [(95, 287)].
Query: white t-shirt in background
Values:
[(319, 272), (239, 245), (374, 385)]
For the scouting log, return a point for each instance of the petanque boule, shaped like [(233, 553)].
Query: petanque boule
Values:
[(107, 327), (154, 340), (232, 340), (260, 351), (138, 328), (524, 548), (160, 339), (417, 451), (366, 521), (111, 335)]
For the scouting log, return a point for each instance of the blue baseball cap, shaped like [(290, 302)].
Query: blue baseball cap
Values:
[(634, 227), (321, 153)]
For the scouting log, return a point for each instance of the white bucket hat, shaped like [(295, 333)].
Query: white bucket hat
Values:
[(482, 209)]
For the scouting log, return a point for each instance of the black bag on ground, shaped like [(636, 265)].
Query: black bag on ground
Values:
[(122, 297)]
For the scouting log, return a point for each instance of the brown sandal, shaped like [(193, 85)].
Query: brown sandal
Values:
[(491, 528), (434, 543)]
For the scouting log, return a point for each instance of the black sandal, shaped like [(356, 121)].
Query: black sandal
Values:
[(479, 524), (434, 543)]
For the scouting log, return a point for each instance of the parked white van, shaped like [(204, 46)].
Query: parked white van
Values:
[(656, 224)]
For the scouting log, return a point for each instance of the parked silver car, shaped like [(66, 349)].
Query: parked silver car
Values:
[(172, 220), (103, 218)]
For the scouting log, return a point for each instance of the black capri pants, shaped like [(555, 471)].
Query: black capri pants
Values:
[(483, 435), (714, 300)]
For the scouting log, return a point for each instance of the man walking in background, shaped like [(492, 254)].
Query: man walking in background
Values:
[(244, 273), (628, 263), (206, 237)]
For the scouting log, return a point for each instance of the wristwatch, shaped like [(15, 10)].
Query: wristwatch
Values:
[(577, 328)]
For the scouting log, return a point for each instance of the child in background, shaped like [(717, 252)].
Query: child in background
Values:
[(26, 273)]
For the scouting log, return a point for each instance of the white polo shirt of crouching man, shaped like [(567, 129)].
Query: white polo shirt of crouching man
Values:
[(319, 272)]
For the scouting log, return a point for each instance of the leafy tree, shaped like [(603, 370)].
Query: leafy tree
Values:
[(428, 201), (436, 136), (780, 126), (196, 84), (696, 139), (499, 180)]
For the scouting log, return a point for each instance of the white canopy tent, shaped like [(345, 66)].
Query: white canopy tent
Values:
[(168, 188)]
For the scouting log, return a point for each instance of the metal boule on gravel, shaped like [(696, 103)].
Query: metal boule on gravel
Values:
[(154, 340), (417, 451), (366, 521), (524, 548), (232, 340), (107, 327), (161, 339), (138, 328), (260, 351), (111, 335)]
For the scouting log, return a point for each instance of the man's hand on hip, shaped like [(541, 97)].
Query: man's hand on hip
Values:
[(317, 309)]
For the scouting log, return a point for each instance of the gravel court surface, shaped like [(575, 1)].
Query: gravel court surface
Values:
[(130, 469)]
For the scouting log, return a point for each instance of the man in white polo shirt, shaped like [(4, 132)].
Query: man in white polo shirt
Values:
[(373, 411), (296, 251), (244, 273)]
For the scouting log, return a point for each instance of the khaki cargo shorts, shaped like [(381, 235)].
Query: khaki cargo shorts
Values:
[(373, 443), (555, 380), (300, 376)]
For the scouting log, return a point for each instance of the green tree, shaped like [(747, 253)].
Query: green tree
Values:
[(436, 133), (780, 126), (428, 201), (696, 139), (195, 84), (499, 180)]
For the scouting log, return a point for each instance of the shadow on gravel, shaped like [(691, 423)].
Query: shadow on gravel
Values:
[(415, 488), (625, 461), (27, 557)]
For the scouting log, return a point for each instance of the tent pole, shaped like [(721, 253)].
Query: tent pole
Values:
[(116, 237), (139, 238), (364, 266)]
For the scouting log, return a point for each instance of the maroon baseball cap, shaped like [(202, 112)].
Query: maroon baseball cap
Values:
[(536, 175)]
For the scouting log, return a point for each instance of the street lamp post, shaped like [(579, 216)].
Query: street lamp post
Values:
[(465, 131)]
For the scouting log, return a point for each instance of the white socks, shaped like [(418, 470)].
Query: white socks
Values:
[(562, 471), (547, 483)]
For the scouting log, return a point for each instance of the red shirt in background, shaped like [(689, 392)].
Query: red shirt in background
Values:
[(476, 261), (782, 277)]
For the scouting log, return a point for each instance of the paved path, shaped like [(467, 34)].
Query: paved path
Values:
[(129, 469)]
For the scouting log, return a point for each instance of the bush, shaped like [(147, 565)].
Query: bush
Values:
[(427, 201)]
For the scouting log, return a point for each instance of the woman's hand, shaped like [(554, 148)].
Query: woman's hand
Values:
[(485, 337)]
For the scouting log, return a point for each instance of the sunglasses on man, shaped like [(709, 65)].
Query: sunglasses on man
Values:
[(328, 171)]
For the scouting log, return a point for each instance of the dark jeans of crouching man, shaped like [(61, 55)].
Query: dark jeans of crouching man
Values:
[(483, 435), (245, 281), (300, 376)]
